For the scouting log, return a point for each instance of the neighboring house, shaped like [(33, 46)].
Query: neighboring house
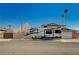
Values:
[(6, 33)]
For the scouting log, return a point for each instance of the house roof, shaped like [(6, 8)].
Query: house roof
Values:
[(66, 29), (2, 30), (52, 24)]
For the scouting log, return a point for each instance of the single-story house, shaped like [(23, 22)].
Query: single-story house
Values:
[(66, 33)]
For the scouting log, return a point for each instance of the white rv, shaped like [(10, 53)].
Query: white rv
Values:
[(47, 33)]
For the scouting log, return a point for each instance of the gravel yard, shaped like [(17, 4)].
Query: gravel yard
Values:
[(38, 47)]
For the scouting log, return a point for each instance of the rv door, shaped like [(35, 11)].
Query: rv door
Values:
[(57, 33), (48, 33)]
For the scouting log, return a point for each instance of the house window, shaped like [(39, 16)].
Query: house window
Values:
[(48, 31), (57, 31)]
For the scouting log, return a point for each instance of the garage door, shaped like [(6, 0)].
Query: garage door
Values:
[(67, 35), (8, 35)]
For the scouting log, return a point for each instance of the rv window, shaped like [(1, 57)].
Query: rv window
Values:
[(34, 32), (57, 31), (48, 31)]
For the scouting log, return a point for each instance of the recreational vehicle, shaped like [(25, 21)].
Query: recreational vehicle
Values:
[(46, 33)]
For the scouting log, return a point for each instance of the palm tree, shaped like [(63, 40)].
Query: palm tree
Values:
[(66, 11), (64, 15)]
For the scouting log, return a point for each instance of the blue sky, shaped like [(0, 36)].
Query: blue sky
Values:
[(37, 14)]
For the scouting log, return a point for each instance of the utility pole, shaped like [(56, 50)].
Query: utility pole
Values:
[(21, 26), (63, 21)]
